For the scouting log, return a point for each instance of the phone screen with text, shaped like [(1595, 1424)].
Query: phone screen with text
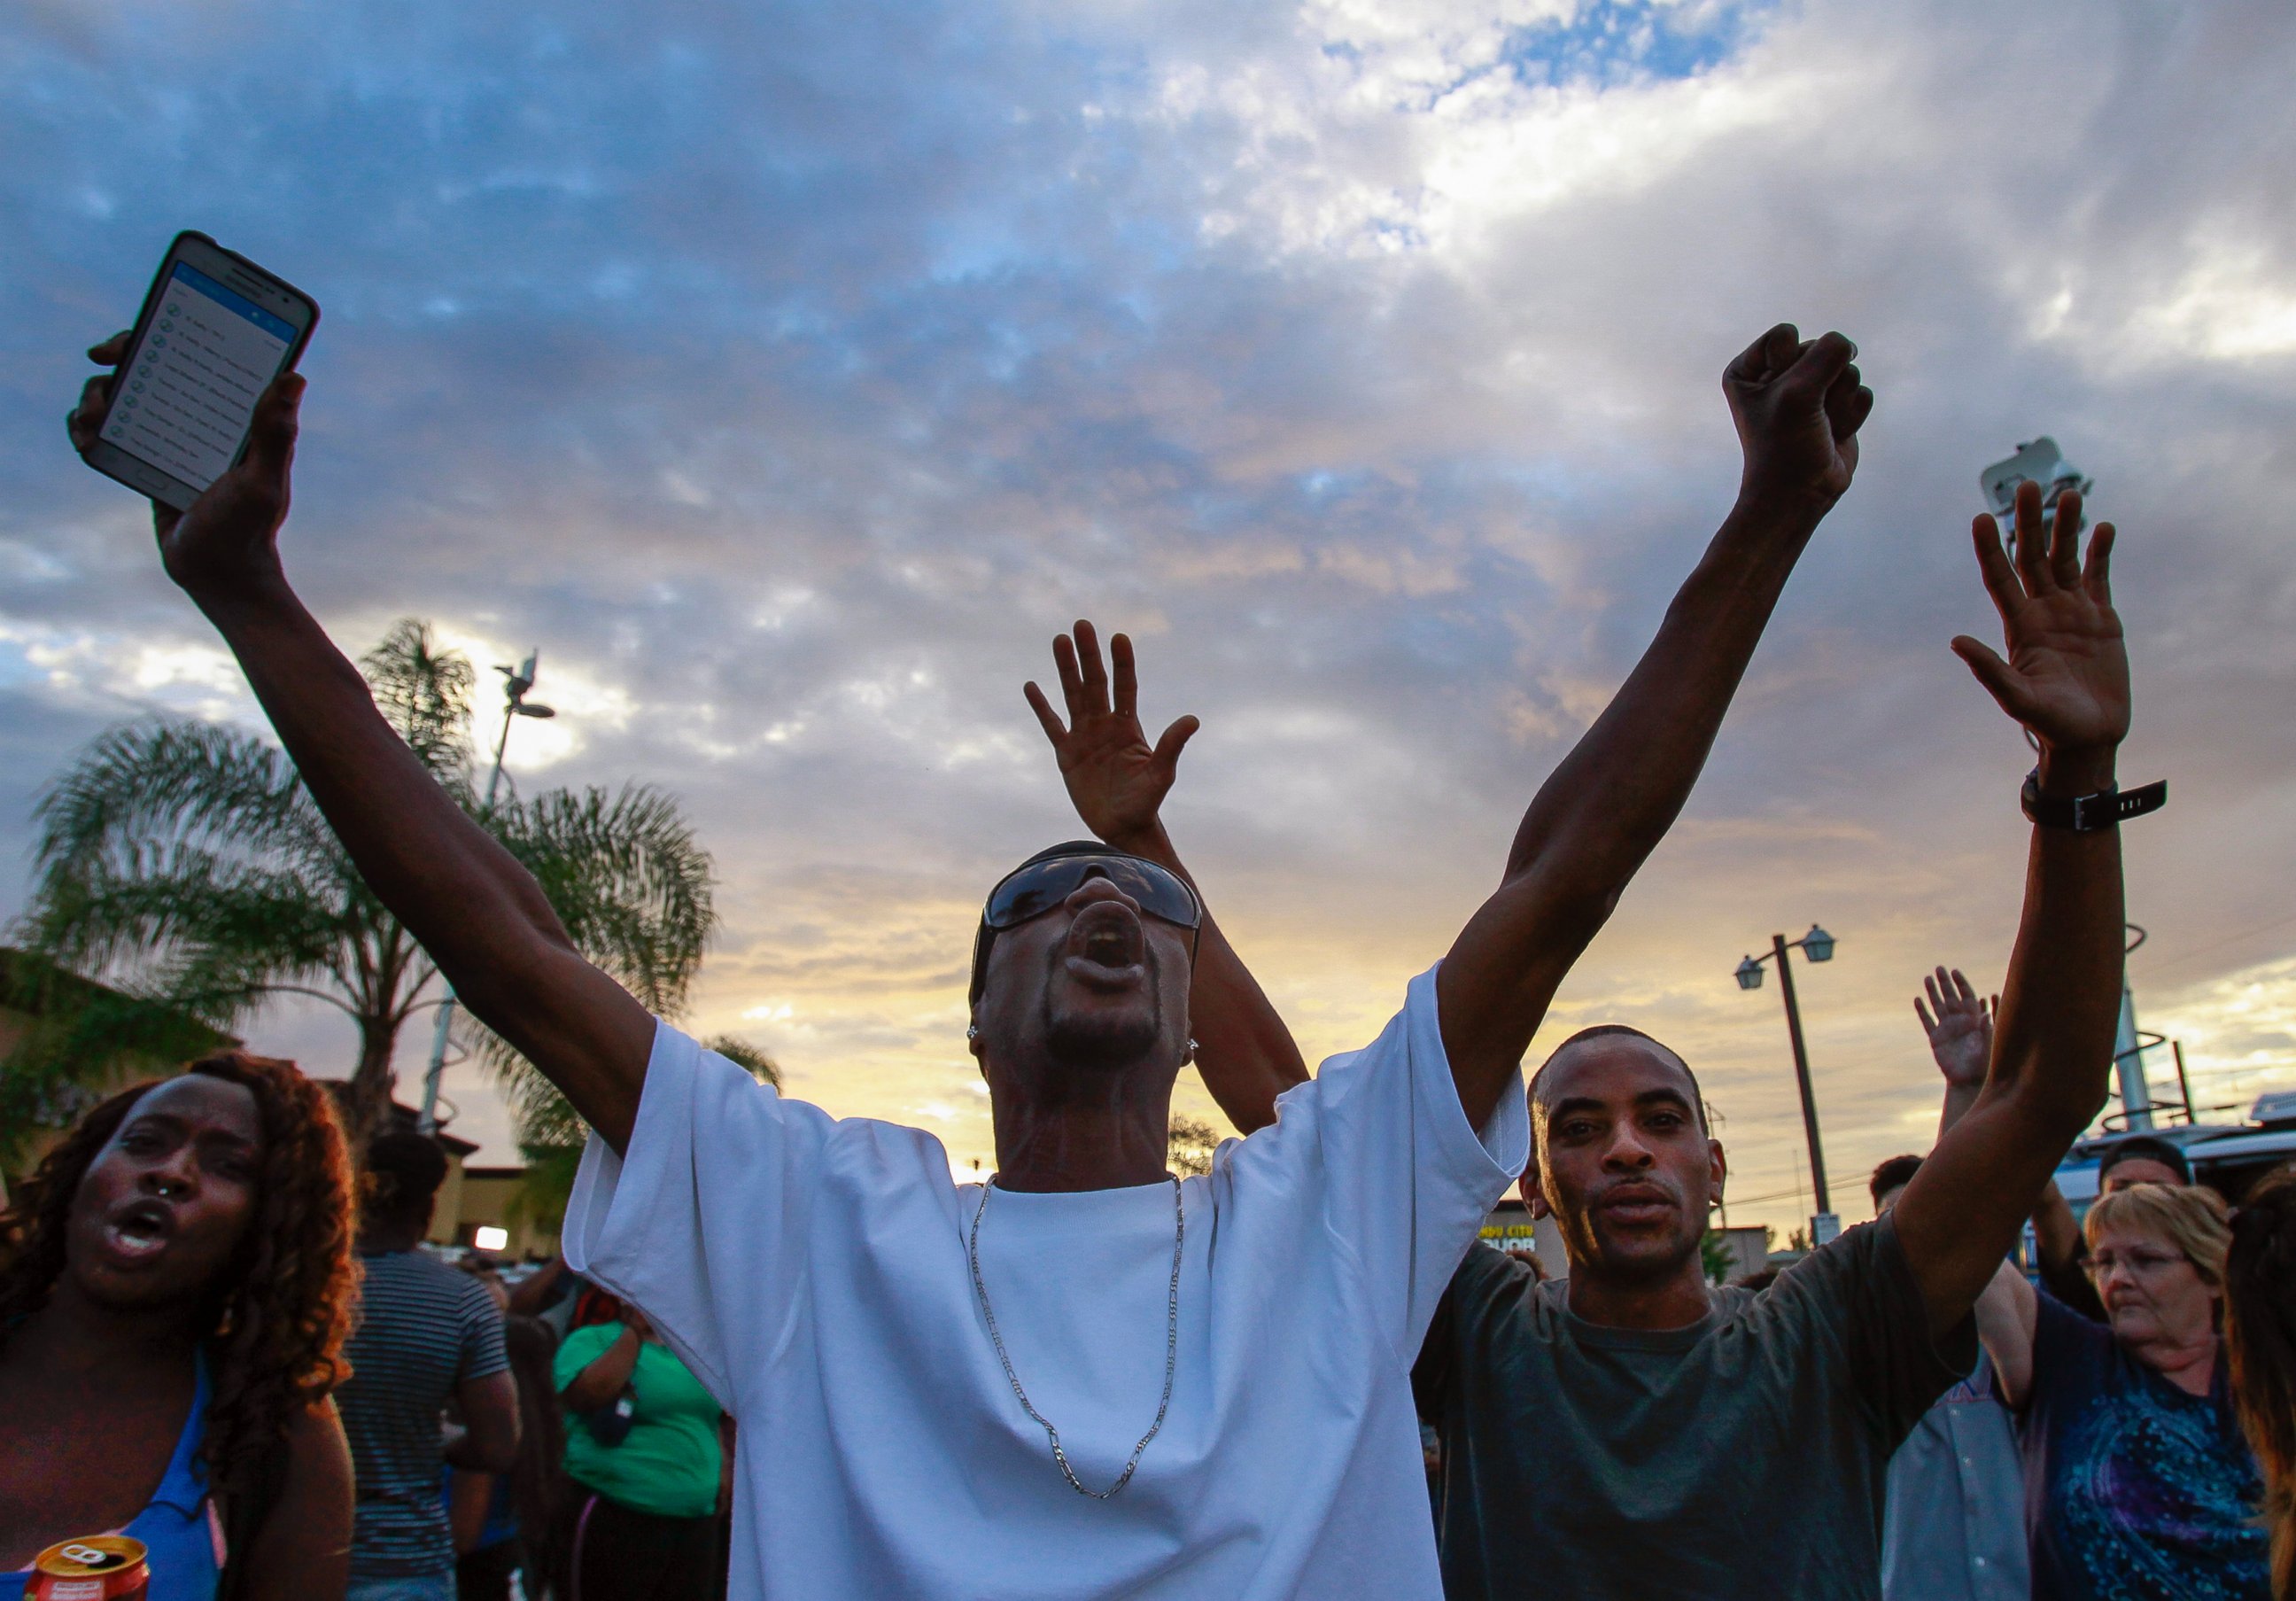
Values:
[(185, 403)]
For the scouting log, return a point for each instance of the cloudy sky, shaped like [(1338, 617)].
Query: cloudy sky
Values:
[(790, 373)]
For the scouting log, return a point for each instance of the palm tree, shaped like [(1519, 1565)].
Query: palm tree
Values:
[(185, 863)]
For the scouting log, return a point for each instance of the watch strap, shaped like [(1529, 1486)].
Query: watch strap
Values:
[(2087, 814)]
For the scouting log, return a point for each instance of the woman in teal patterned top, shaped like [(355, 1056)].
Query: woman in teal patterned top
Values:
[(2138, 1485)]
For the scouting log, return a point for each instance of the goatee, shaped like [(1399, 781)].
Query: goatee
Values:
[(1099, 1042)]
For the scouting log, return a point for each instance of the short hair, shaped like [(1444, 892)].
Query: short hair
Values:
[(403, 1172), (2143, 1148), (2191, 1218), (1603, 1031), (1894, 1174)]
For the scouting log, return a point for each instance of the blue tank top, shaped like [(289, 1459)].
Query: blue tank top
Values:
[(175, 1526)]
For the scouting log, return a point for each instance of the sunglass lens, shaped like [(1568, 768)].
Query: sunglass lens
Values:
[(1021, 899), (1034, 891), (1158, 893)]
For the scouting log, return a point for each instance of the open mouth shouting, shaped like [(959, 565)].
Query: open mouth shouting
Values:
[(139, 1231), (1106, 947)]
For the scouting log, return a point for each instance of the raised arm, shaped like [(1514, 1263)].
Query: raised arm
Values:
[(1798, 405), (474, 909), (2008, 1314), (1117, 782), (1961, 1040), (2066, 680), (1960, 1033), (1960, 1028)]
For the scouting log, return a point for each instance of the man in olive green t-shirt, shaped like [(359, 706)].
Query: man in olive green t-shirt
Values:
[(1631, 1431), (641, 1448)]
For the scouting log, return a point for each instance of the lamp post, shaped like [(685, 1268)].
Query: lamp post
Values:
[(1817, 945), (521, 679)]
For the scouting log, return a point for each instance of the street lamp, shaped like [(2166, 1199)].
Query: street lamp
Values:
[(521, 680), (1817, 945)]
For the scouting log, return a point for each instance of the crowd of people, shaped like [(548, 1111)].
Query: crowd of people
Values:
[(1085, 1376)]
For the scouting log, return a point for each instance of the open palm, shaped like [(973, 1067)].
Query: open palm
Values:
[(2066, 676), (1960, 1028), (1116, 779)]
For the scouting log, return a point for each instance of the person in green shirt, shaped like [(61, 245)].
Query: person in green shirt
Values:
[(643, 1450)]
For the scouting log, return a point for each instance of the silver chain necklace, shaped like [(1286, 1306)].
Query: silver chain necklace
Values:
[(1171, 1347)]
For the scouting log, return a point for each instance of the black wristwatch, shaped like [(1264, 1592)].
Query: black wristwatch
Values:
[(2087, 814)]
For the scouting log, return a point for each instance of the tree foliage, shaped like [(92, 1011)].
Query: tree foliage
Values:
[(751, 1059), (1191, 1143), (66, 1020), (184, 864)]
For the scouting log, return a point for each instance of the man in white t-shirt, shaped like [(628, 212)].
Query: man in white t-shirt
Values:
[(1086, 1379)]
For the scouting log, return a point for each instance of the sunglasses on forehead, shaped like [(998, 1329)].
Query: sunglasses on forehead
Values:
[(1034, 890)]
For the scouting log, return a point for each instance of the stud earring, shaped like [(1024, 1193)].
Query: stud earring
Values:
[(973, 1032), (1189, 1054)]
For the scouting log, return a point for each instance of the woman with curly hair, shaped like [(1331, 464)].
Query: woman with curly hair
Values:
[(2260, 1342), (176, 1286)]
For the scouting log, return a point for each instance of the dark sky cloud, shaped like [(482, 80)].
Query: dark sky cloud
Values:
[(789, 374)]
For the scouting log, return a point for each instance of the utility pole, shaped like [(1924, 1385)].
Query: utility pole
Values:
[(1801, 1078), (521, 679), (1817, 945)]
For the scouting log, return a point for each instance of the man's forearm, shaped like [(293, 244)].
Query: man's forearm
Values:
[(458, 892), (1245, 1054), (1958, 1099), (2053, 1041), (2062, 1262), (477, 913), (1604, 811), (2052, 1051)]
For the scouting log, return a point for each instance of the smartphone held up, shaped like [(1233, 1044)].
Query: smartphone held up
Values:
[(215, 330)]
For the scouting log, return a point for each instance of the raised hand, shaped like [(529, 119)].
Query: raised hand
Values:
[(1960, 1027), (228, 540), (1115, 778), (2066, 678), (1798, 405)]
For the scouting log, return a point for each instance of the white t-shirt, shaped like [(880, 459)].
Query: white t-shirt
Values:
[(812, 1273)]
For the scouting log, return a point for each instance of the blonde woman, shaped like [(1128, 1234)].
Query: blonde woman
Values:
[(2138, 1484)]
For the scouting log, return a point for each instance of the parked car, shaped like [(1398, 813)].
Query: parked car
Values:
[(2227, 1157)]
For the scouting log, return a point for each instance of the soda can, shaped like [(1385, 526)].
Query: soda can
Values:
[(96, 1567)]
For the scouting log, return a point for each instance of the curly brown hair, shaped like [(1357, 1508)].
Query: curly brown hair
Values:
[(2261, 1340), (275, 1323)]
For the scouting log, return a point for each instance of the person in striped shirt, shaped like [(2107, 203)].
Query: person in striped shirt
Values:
[(427, 1335)]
